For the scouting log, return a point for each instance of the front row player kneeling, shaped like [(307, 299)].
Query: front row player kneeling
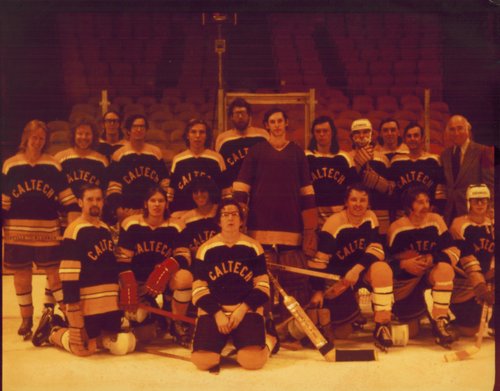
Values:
[(230, 287), (350, 246), (89, 275), (423, 255), (154, 259)]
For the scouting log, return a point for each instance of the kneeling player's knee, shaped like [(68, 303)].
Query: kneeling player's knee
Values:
[(119, 344), (380, 274), (442, 272), (183, 279), (205, 360), (252, 357)]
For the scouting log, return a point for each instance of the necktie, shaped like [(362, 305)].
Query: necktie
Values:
[(456, 162)]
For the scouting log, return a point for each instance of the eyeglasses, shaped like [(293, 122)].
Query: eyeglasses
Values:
[(112, 121), (232, 214)]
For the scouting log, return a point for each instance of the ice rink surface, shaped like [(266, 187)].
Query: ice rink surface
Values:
[(418, 366)]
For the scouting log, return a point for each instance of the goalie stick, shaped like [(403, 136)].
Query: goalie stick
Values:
[(325, 347), (471, 350)]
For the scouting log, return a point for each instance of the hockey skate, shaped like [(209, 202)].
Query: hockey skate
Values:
[(442, 331), (48, 322), (382, 336), (182, 334), (25, 328)]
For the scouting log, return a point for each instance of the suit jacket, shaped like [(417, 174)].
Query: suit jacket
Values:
[(477, 167)]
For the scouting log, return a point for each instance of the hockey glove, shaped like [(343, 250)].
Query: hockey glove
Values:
[(129, 300), (374, 181), (362, 156), (160, 276), (309, 242), (483, 294)]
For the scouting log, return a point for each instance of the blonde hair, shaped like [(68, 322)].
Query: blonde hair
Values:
[(29, 128)]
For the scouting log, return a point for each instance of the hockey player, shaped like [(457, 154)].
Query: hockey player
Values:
[(34, 190), (234, 144), (275, 183), (389, 141), (373, 168), (332, 170), (200, 222), (422, 256), (350, 246), (417, 167), (154, 260), (134, 168), (89, 274), (230, 288), (198, 160), (474, 233), (81, 163), (113, 137)]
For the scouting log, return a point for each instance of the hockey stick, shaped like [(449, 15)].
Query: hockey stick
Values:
[(168, 314), (298, 270), (325, 347), (467, 352)]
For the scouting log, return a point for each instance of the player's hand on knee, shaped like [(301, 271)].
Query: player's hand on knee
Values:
[(317, 299), (413, 266), (129, 299), (160, 276), (222, 321), (237, 316)]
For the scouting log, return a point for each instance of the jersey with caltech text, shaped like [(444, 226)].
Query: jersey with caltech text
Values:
[(476, 241), (79, 170), (185, 167), (229, 275), (199, 228), (426, 170), (141, 246), (343, 245), (89, 271), (131, 173), (277, 186), (32, 196), (331, 174), (430, 237), (234, 148)]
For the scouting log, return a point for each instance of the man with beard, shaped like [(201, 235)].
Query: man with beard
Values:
[(234, 144), (89, 275)]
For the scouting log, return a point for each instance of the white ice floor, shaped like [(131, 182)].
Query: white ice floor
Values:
[(418, 366)]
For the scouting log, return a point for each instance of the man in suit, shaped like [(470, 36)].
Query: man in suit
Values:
[(465, 162)]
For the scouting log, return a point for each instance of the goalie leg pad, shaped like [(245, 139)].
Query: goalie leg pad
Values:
[(119, 344)]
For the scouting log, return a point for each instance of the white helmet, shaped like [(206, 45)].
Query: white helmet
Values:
[(477, 191)]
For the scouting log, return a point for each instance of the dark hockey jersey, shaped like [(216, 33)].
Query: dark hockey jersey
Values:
[(88, 270), (234, 148), (131, 173), (343, 245), (331, 174), (475, 241), (107, 149), (32, 196), (225, 276), (79, 170), (431, 237), (199, 228), (185, 167), (277, 186), (141, 247), (426, 170)]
